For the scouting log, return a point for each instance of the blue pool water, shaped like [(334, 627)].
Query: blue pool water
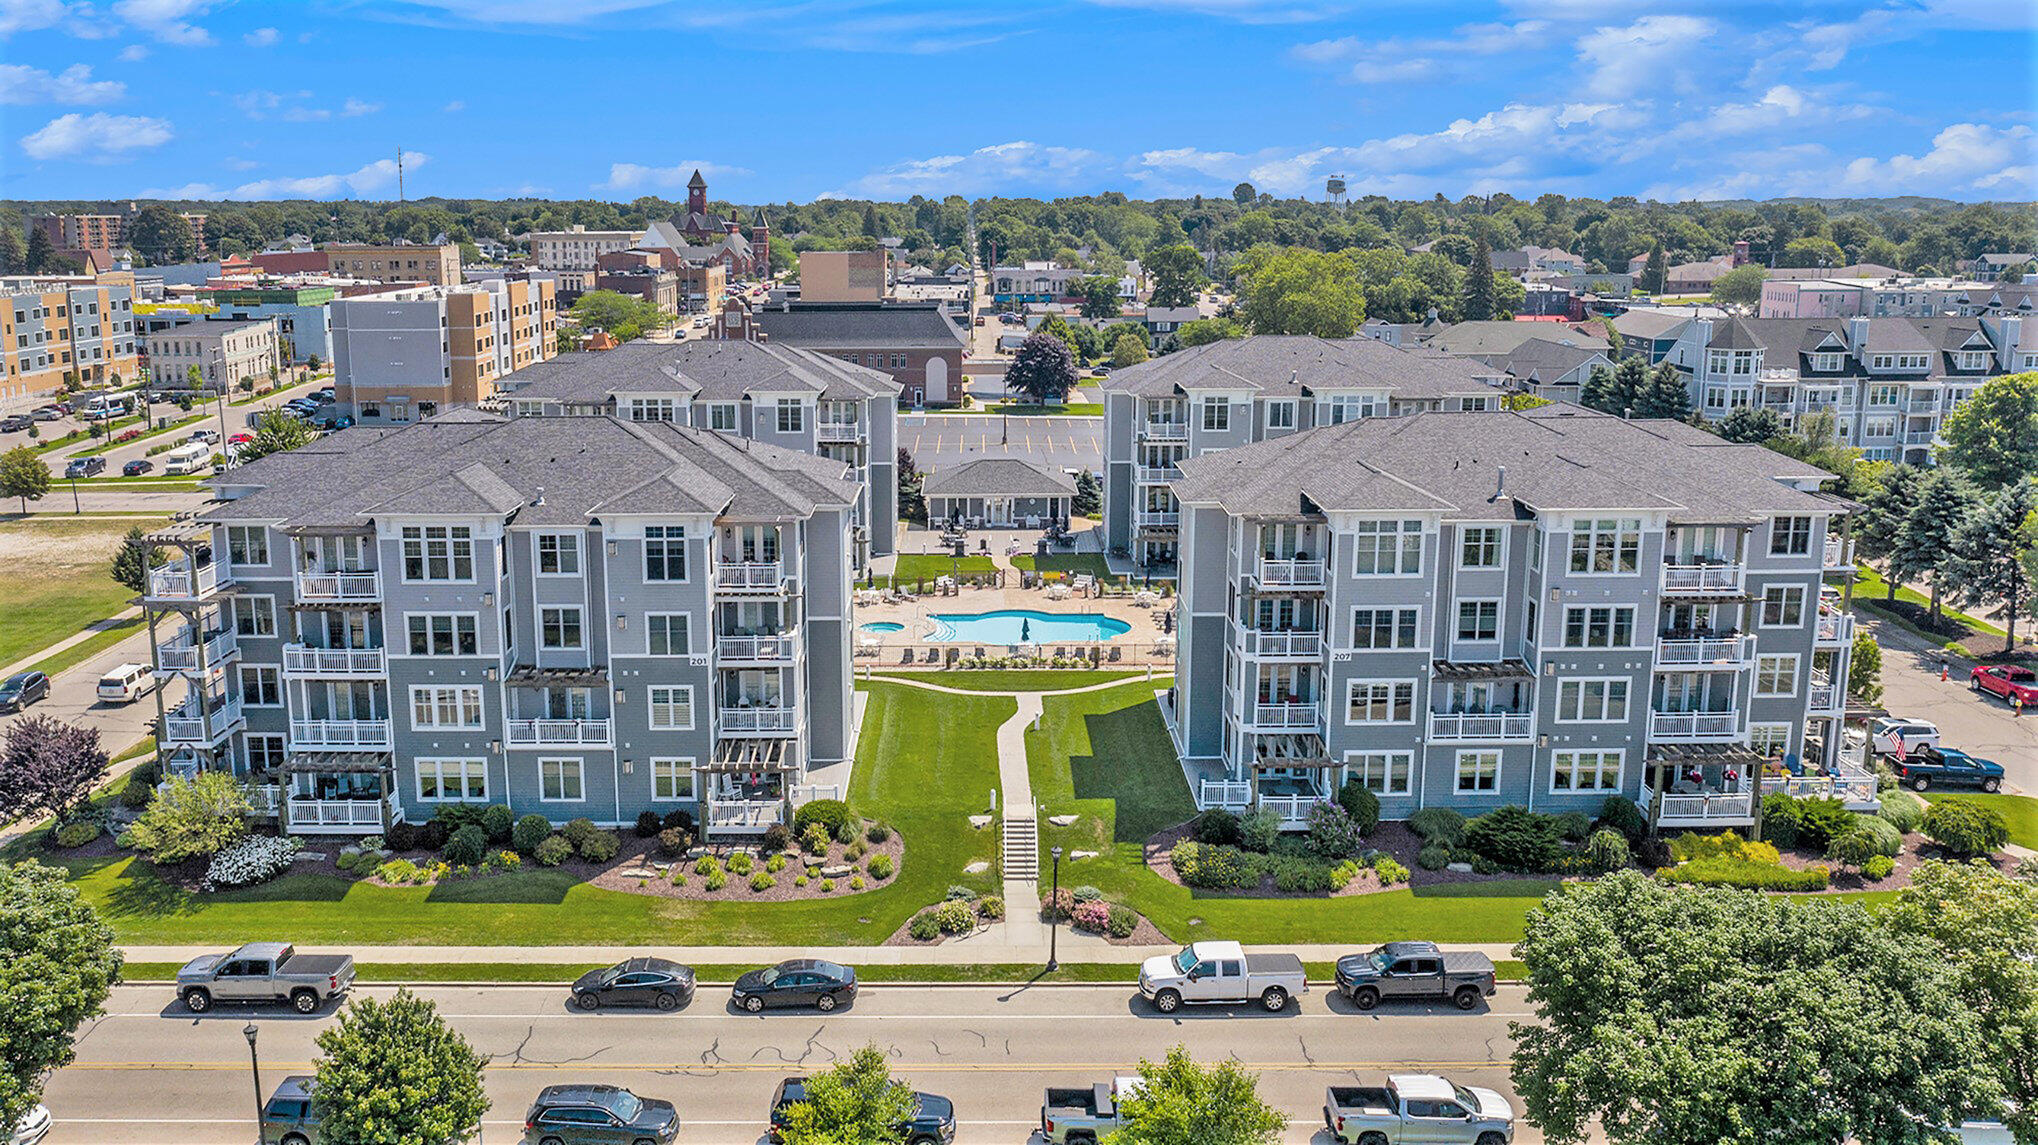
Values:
[(883, 626), (1017, 626)]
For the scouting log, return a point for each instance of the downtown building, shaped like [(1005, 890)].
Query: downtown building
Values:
[(575, 617), (1479, 609), (58, 328), (408, 354)]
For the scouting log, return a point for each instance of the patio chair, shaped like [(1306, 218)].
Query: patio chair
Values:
[(907, 658), (934, 655), (1115, 653)]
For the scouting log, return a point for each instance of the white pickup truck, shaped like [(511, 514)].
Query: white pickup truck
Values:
[(1417, 1107), (1212, 973)]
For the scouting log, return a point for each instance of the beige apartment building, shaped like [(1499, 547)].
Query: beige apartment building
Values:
[(223, 352), (576, 247), (402, 262), (52, 327), (405, 355), (845, 275)]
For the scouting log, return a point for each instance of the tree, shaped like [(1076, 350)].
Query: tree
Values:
[(133, 559), (912, 500), (1766, 1019), (193, 818), (57, 966), (1993, 436), (1750, 426), (23, 475), (1876, 531), (47, 767), (1812, 251), (1200, 331), (1864, 669), (41, 257), (1522, 400), (275, 434), (1478, 304), (1089, 498), (1741, 286), (1301, 291), (1043, 369), (1656, 270), (1244, 194), (1177, 271), (12, 259), (1100, 298), (1989, 560), (1181, 1103), (1663, 395), (1926, 538), (395, 1073), (624, 316), (1129, 350), (160, 235), (1616, 391), (855, 1102)]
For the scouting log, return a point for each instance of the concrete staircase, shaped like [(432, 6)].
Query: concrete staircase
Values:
[(1022, 844)]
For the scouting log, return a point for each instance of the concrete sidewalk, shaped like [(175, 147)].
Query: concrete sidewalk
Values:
[(950, 953)]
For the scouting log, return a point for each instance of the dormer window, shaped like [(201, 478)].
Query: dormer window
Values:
[(1825, 363)]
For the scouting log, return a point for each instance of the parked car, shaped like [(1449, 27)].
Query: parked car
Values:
[(46, 413), (1084, 1116), (1417, 1107), (1415, 970), (85, 467), (240, 439), (932, 1121), (265, 972), (330, 424), (2012, 682), (324, 397), (22, 689), (15, 423), (1914, 734), (796, 982), (599, 1115), (1926, 767), (33, 1126), (636, 982), (287, 1117), (1217, 973), (125, 684), (137, 467), (206, 436)]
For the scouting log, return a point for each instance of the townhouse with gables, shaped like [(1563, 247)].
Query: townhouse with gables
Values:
[(576, 617), (1232, 393), (778, 395), (1543, 608)]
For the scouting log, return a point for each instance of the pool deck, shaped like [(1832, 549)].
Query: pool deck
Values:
[(1143, 643)]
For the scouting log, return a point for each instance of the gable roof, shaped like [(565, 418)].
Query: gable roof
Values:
[(860, 325), (706, 370), (1501, 337), (1544, 361), (1290, 365), (998, 477)]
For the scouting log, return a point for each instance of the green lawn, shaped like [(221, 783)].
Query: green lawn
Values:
[(55, 579), (1018, 679), (91, 646), (1067, 564), (1870, 588), (926, 761), (1072, 409), (915, 567), (2019, 811)]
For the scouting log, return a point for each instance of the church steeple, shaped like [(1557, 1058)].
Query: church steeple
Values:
[(697, 194)]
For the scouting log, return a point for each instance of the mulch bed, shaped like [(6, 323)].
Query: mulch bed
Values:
[(1392, 838), (637, 855), (1917, 849)]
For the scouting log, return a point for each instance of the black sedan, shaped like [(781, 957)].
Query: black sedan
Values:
[(635, 982), (797, 982), (137, 467)]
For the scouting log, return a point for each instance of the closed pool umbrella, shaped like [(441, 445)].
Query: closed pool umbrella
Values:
[(1025, 631)]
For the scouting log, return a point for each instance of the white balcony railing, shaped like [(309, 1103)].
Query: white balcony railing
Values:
[(1293, 809), (1839, 554), (1232, 795), (767, 721), (839, 431), (1719, 808), (333, 816), (1489, 727), (1708, 652), (1835, 628), (304, 660), (265, 800), (802, 793), (1157, 519), (1164, 430), (750, 576), (1285, 715), (782, 648), (187, 726), (1259, 645), (179, 581), (1919, 436), (1695, 727), (1155, 474), (339, 587), (743, 814), (352, 735), (1289, 572), (559, 733), (1822, 696), (183, 654), (1701, 580)]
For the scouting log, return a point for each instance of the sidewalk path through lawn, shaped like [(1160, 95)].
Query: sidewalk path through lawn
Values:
[(951, 953)]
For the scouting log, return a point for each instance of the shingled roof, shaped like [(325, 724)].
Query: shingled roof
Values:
[(998, 477), (860, 325), (710, 370), (1290, 365)]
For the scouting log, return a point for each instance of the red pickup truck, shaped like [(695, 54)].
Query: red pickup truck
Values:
[(2011, 682)]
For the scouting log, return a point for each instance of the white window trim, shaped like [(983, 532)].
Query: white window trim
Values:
[(580, 775), (650, 705), (1795, 674), (538, 555), (1421, 531), (269, 602), (1780, 725), (402, 650), (1641, 534), (282, 699), (1284, 404), (1500, 551), (1352, 686), (1762, 606), (1421, 637), (1620, 770), (1458, 767), (1457, 619), (262, 531), (475, 548), (478, 691), (438, 767), (1636, 627), (1393, 761), (688, 616), (248, 744), (562, 608), (1581, 681), (686, 762)]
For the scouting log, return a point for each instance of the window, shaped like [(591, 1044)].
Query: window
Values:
[(442, 634), (1381, 702), (247, 545), (792, 416), (1280, 415), (1381, 772), (1342, 408), (672, 779), (1585, 771), (558, 554), (559, 628), (1599, 627), (1825, 363), (453, 780), (665, 552), (1387, 548), (666, 634), (722, 417), (1610, 545), (1586, 701), (438, 552), (653, 409), (1479, 547), (1783, 606), (455, 706), (1383, 628), (1478, 772), (1769, 740), (1217, 414), (672, 708), (1790, 537), (255, 615), (559, 781), (1884, 395), (1776, 675), (265, 752), (261, 686), (1478, 620)]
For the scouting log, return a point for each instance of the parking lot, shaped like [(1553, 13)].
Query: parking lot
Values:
[(939, 441), (238, 419), (1974, 722)]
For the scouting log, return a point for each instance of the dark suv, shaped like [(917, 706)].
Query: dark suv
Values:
[(599, 1115), (22, 689), (932, 1122), (287, 1117)]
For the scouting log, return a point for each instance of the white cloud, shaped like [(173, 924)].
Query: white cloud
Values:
[(134, 53), (291, 108), (31, 15), (993, 169), (1963, 155), (640, 178), (1243, 11), (20, 83), (1399, 59), (354, 107), (1647, 54), (187, 191), (167, 20), (262, 37), (455, 106), (95, 138), (1779, 106), (377, 176)]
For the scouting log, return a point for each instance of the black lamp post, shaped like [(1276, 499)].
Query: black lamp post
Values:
[(1053, 915), (255, 1064)]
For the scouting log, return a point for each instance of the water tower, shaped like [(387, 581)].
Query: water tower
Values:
[(1334, 188)]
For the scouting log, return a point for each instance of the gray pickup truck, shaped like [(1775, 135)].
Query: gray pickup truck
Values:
[(1417, 1107), (1415, 970), (1084, 1116), (265, 972)]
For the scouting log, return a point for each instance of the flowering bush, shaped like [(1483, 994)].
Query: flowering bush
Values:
[(956, 916), (397, 871), (255, 859), (1093, 916), (1333, 833)]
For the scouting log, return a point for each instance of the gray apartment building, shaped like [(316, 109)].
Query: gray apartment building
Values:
[(1232, 393), (225, 353), (575, 617), (775, 394), (1543, 608)]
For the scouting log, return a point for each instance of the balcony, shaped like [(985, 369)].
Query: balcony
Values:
[(1704, 652), (1164, 431), (186, 725), (344, 735), (1483, 727), (178, 582), (760, 721), (339, 587), (184, 655), (340, 663), (743, 816), (1839, 555), (1919, 436), (1822, 698), (1704, 809), (1284, 717), (1289, 573), (1852, 786), (1261, 645), (1155, 474), (765, 578), (1232, 795), (333, 817), (1704, 580), (1157, 519), (839, 432), (782, 648), (1293, 809), (1835, 628), (1695, 727), (559, 733)]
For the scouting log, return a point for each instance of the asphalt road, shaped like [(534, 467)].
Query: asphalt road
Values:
[(74, 695), (1972, 721), (939, 441), (151, 1073)]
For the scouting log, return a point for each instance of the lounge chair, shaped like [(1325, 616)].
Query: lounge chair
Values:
[(1115, 653), (907, 658)]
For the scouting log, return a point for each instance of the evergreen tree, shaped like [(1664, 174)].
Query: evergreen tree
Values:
[(1663, 395), (12, 256), (1478, 304), (1750, 426), (1598, 390), (1875, 531), (1989, 559), (1629, 376), (128, 566), (912, 500), (1656, 270), (1926, 537), (41, 257), (1089, 498)]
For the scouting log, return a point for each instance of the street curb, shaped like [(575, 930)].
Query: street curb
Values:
[(435, 983)]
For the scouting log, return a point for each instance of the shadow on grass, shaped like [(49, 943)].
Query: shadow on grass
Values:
[(548, 888), (1133, 765)]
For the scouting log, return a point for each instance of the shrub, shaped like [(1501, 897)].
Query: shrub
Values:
[(648, 825), (1258, 828), (194, 818), (1085, 894), (1878, 867), (1213, 867), (679, 818), (827, 886), (453, 816), (1574, 826), (135, 793), (255, 859), (79, 832), (1724, 872), (499, 821), (1902, 810), (814, 839), (1438, 825), (717, 879), (846, 832), (762, 881), (923, 928), (1851, 849), (878, 832), (467, 845), (1606, 850), (775, 864), (1092, 916), (1725, 845), (1334, 833), (991, 908), (1361, 804), (433, 833), (1341, 876), (1217, 826), (1888, 840), (1121, 921), (124, 840), (832, 814), (1301, 875), (530, 831), (505, 861), (553, 851), (1058, 905), (1782, 819), (1390, 871), (1624, 815), (1820, 821), (1514, 838), (674, 841), (346, 862), (1966, 829), (799, 880), (776, 838), (397, 872), (856, 851), (956, 916), (706, 865), (741, 863), (856, 882), (600, 847), (1433, 857), (958, 891), (880, 867), (579, 831)]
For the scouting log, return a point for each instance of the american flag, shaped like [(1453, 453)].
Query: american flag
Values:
[(1897, 739)]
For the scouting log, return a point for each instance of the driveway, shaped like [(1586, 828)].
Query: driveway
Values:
[(1971, 721), (74, 696), (940, 441)]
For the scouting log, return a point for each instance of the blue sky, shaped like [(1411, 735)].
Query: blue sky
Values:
[(777, 100)]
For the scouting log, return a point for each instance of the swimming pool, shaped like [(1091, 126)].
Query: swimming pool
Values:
[(883, 627), (1018, 626)]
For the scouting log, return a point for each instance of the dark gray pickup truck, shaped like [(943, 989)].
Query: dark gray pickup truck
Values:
[(1415, 970)]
